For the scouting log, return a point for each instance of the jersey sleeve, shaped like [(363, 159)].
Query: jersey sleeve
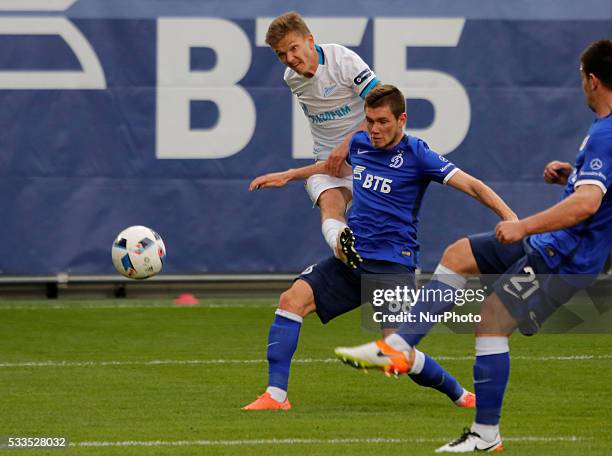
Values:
[(357, 73), (433, 165), (597, 167)]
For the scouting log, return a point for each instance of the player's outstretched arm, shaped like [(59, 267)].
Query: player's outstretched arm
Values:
[(280, 179), (338, 155), (557, 172), (477, 189), (579, 206)]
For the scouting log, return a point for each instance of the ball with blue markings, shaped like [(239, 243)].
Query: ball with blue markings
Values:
[(138, 252)]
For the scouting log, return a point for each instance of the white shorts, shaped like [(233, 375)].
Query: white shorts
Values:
[(317, 184)]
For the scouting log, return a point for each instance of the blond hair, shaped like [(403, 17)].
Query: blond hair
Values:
[(284, 24)]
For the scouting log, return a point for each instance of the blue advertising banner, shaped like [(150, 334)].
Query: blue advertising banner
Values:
[(160, 113)]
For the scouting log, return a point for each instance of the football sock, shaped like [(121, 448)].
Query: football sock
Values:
[(398, 342), (279, 395), (491, 373), (487, 432), (427, 372), (282, 342), (435, 303), (330, 229)]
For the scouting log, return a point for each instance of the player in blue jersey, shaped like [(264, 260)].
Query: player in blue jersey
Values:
[(543, 260), (391, 172)]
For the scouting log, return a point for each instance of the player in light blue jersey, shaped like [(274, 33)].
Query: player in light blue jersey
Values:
[(391, 172), (330, 82), (543, 260)]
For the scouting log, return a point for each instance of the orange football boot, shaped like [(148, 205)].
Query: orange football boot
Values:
[(265, 402)]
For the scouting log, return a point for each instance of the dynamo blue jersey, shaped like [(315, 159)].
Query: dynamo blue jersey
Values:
[(583, 248), (388, 187)]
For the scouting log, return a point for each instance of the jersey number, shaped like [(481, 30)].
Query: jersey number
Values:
[(523, 286)]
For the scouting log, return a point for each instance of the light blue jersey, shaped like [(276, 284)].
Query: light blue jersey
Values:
[(388, 187), (584, 248)]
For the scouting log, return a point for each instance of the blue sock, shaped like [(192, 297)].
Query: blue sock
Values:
[(282, 342), (435, 376), (413, 332), (491, 373)]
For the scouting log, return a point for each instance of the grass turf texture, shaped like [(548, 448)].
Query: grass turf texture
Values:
[(174, 402)]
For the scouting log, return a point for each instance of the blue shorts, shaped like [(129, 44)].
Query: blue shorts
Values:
[(337, 288), (519, 276)]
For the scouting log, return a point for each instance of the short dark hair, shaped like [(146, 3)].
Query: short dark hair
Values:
[(284, 24), (387, 95), (597, 59)]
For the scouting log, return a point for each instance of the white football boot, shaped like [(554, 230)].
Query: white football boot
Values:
[(470, 442)]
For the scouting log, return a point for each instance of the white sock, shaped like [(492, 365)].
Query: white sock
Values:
[(491, 345), (460, 400), (419, 362), (289, 315), (488, 432), (330, 229), (449, 277), (396, 341), (279, 395)]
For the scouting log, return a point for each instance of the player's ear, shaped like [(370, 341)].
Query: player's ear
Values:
[(310, 39), (593, 80), (402, 119)]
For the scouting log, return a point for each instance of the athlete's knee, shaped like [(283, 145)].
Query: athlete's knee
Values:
[(332, 204), (459, 258), (298, 299)]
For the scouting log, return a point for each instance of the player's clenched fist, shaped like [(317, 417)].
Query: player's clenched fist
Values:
[(508, 232), (557, 172)]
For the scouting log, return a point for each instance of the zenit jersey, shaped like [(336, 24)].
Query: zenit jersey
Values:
[(583, 248), (332, 100), (388, 187)]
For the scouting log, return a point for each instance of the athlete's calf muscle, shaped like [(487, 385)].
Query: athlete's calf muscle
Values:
[(495, 318), (332, 203)]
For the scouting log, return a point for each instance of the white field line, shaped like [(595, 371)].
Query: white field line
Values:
[(441, 440), (228, 305), (196, 362)]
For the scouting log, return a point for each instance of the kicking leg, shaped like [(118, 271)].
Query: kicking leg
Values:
[(393, 355), (397, 355), (332, 204)]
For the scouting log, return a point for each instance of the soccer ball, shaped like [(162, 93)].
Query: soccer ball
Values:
[(138, 252)]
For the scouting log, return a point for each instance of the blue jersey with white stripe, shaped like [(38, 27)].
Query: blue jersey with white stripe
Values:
[(388, 187), (584, 248)]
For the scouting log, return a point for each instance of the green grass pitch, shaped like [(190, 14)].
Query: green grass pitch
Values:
[(125, 377)]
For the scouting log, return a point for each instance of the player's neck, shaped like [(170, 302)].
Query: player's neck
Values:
[(313, 69), (604, 107), (395, 142)]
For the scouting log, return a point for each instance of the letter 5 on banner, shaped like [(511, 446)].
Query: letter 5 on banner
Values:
[(447, 95), (178, 85)]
